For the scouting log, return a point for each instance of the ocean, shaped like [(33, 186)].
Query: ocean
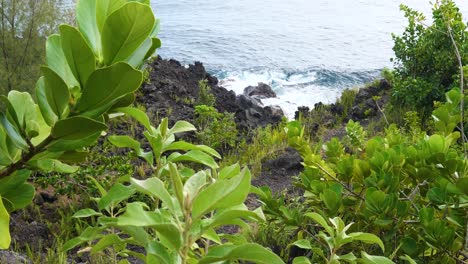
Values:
[(307, 50)]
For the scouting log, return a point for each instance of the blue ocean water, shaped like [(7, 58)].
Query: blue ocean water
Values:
[(308, 50)]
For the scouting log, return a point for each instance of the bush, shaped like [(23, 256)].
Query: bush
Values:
[(425, 64), (205, 97), (217, 130)]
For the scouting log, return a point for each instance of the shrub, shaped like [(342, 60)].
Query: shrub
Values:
[(218, 130), (426, 65), (205, 97)]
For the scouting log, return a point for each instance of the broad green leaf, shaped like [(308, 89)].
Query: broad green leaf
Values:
[(196, 156), (25, 109), (301, 260), (226, 216), (321, 221), (5, 238), (7, 107), (18, 198), (13, 133), (229, 172), (155, 188), (56, 92), (76, 128), (185, 146), (222, 194), (6, 157), (107, 85), (194, 184), (13, 181), (57, 62), (135, 216), (368, 239), (52, 165), (86, 213), (87, 23), (44, 129), (116, 194), (46, 109), (303, 243), (76, 144), (177, 185), (139, 115), (247, 252), (369, 259), (104, 8), (123, 101), (106, 241), (157, 253), (125, 30), (90, 233), (128, 142), (181, 127), (147, 48), (79, 55)]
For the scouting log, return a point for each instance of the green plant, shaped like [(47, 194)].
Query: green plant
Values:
[(205, 97), (218, 130), (347, 100), (91, 71), (336, 238), (410, 190), (180, 223), (426, 65)]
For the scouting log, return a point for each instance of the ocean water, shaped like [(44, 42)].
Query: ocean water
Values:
[(307, 50)]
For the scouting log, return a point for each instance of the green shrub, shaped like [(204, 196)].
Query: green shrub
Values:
[(218, 130), (425, 64), (91, 71), (205, 97), (409, 190)]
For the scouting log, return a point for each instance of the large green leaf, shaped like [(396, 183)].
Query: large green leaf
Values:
[(87, 23), (52, 165), (247, 252), (128, 142), (115, 195), (125, 30), (79, 55), (139, 115), (76, 144), (13, 181), (13, 133), (135, 216), (5, 238), (155, 188), (19, 198), (107, 85), (25, 110), (56, 92), (104, 8), (76, 128), (368, 239), (369, 259), (194, 156), (41, 95), (222, 194), (147, 48), (57, 61)]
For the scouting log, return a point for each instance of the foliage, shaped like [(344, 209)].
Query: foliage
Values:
[(91, 70), (348, 96), (24, 26), (218, 130), (426, 65), (205, 97), (409, 190), (180, 223), (266, 143)]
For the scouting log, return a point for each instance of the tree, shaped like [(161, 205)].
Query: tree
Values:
[(24, 27)]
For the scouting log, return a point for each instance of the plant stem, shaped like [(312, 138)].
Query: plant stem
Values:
[(20, 164)]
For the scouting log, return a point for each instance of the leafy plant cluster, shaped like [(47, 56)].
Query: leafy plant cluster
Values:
[(218, 130), (426, 64), (91, 71), (411, 191), (180, 222)]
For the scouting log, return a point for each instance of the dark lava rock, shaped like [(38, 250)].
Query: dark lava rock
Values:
[(172, 90), (301, 111), (10, 257), (261, 91), (278, 173)]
